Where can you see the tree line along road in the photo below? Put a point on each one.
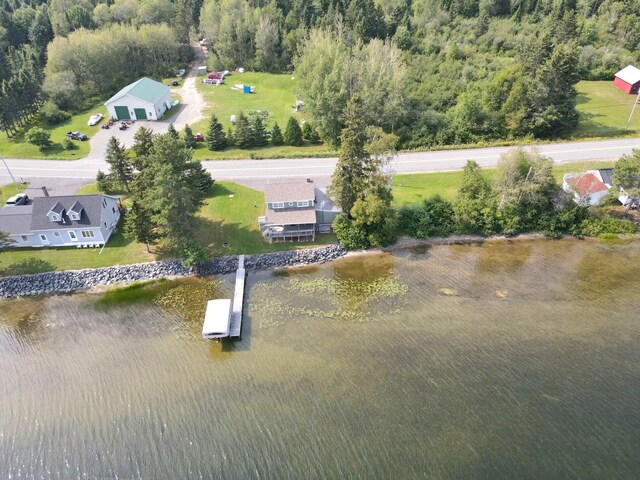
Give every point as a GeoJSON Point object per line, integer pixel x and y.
{"type": "Point", "coordinates": [407, 162]}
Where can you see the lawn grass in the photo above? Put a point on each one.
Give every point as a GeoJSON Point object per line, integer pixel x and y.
{"type": "Point", "coordinates": [274, 93]}
{"type": "Point", "coordinates": [604, 109]}
{"type": "Point", "coordinates": [17, 147]}
{"type": "Point", "coordinates": [416, 187]}
{"type": "Point", "coordinates": [10, 190]}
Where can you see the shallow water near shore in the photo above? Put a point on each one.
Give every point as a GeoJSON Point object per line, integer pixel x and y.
{"type": "Point", "coordinates": [495, 361]}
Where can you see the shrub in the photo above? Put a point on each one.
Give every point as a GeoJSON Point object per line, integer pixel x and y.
{"type": "Point", "coordinates": [349, 234]}
{"type": "Point", "coordinates": [69, 144]}
{"type": "Point", "coordinates": [39, 137]}
{"type": "Point", "coordinates": [594, 227]}
{"type": "Point", "coordinates": [193, 253]}
{"type": "Point", "coordinates": [52, 115]}
{"type": "Point", "coordinates": [433, 218]}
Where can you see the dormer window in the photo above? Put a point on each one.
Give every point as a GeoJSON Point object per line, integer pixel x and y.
{"type": "Point", "coordinates": [277, 205]}
{"type": "Point", "coordinates": [56, 213]}
{"type": "Point", "coordinates": [75, 212]}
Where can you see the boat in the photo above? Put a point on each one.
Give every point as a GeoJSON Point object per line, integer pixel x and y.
{"type": "Point", "coordinates": [217, 319]}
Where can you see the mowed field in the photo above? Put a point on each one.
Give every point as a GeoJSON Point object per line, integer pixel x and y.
{"type": "Point", "coordinates": [17, 147]}
{"type": "Point", "coordinates": [274, 93]}
{"type": "Point", "coordinates": [604, 109]}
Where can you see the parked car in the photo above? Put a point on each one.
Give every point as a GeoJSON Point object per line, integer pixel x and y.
{"type": "Point", "coordinates": [175, 83]}
{"type": "Point", "coordinates": [181, 72]}
{"type": "Point", "coordinates": [175, 103]}
{"type": "Point", "coordinates": [94, 119]}
{"type": "Point", "coordinates": [199, 137]}
{"type": "Point", "coordinates": [77, 136]}
{"type": "Point", "coordinates": [123, 126]}
{"type": "Point", "coordinates": [19, 199]}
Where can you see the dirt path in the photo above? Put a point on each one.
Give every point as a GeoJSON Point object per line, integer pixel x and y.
{"type": "Point", "coordinates": [190, 111]}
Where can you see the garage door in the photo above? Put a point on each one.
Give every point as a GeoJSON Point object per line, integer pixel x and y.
{"type": "Point", "coordinates": [141, 113]}
{"type": "Point", "coordinates": [122, 113]}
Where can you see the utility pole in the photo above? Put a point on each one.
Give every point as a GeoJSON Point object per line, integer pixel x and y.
{"type": "Point", "coordinates": [633, 109]}
{"type": "Point", "coordinates": [10, 174]}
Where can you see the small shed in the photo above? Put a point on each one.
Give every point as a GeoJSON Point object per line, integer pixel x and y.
{"type": "Point", "coordinates": [202, 70]}
{"type": "Point", "coordinates": [145, 99]}
{"type": "Point", "coordinates": [628, 79]}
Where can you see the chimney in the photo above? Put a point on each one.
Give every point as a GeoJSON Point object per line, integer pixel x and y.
{"type": "Point", "coordinates": [45, 191]}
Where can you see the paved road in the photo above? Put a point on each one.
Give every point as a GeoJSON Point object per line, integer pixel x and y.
{"type": "Point", "coordinates": [323, 167]}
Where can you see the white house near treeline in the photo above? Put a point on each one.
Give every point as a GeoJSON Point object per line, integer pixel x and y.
{"type": "Point", "coordinates": [144, 99]}
{"type": "Point", "coordinates": [61, 221]}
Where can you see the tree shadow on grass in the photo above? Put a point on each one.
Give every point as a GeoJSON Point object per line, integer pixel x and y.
{"type": "Point", "coordinates": [590, 125]}
{"type": "Point", "coordinates": [27, 266]}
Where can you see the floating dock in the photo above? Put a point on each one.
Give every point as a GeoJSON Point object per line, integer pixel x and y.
{"type": "Point", "coordinates": [238, 300]}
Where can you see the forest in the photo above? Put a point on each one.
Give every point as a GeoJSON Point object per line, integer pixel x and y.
{"type": "Point", "coordinates": [432, 72]}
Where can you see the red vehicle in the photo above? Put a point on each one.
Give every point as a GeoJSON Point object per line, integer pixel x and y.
{"type": "Point", "coordinates": [199, 137]}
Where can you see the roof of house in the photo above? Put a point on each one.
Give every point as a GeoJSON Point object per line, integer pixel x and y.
{"type": "Point", "coordinates": [144, 89]}
{"type": "Point", "coordinates": [291, 217]}
{"type": "Point", "coordinates": [57, 208]}
{"type": "Point", "coordinates": [606, 174]}
{"type": "Point", "coordinates": [629, 74]}
{"type": "Point", "coordinates": [15, 219]}
{"type": "Point", "coordinates": [90, 218]}
{"type": "Point", "coordinates": [585, 183]}
{"type": "Point", "coordinates": [76, 207]}
{"type": "Point", "coordinates": [323, 202]}
{"type": "Point", "coordinates": [289, 191]}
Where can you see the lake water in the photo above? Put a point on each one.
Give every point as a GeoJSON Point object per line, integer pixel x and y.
{"type": "Point", "coordinates": [495, 362]}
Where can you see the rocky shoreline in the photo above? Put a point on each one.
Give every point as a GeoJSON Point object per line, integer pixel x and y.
{"type": "Point", "coordinates": [74, 280]}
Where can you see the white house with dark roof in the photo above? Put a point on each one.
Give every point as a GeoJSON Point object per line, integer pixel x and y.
{"type": "Point", "coordinates": [295, 211]}
{"type": "Point", "coordinates": [61, 221]}
{"type": "Point", "coordinates": [144, 99]}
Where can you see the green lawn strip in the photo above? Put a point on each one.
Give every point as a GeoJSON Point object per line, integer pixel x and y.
{"type": "Point", "coordinates": [416, 187]}
{"type": "Point", "coordinates": [10, 190]}
{"type": "Point", "coordinates": [17, 147]}
{"type": "Point", "coordinates": [284, 151]}
{"type": "Point", "coordinates": [604, 109]}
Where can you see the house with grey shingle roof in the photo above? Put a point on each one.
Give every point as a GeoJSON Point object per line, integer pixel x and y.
{"type": "Point", "coordinates": [296, 210]}
{"type": "Point", "coordinates": [144, 99]}
{"type": "Point", "coordinates": [61, 221]}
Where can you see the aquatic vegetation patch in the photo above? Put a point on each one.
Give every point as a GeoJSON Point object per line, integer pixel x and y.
{"type": "Point", "coordinates": [348, 299]}
{"type": "Point", "coordinates": [188, 298]}
{"type": "Point", "coordinates": [449, 291]}
{"type": "Point", "coordinates": [134, 293]}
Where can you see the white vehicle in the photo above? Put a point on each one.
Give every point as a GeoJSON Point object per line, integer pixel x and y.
{"type": "Point", "coordinates": [175, 103]}
{"type": "Point", "coordinates": [94, 119]}
{"type": "Point", "coordinates": [19, 199]}
{"type": "Point", "coordinates": [181, 72]}
{"type": "Point", "coordinates": [217, 319]}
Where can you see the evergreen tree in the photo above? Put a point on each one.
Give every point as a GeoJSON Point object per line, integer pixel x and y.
{"type": "Point", "coordinates": [310, 134]}
{"type": "Point", "coordinates": [259, 131]}
{"type": "Point", "coordinates": [293, 133]}
{"type": "Point", "coordinates": [244, 132]}
{"type": "Point", "coordinates": [5, 241]}
{"type": "Point", "coordinates": [216, 139]}
{"type": "Point", "coordinates": [103, 182]}
{"type": "Point", "coordinates": [189, 139]}
{"type": "Point", "coordinates": [350, 176]}
{"type": "Point", "coordinates": [142, 142]}
{"type": "Point", "coordinates": [173, 132]}
{"type": "Point", "coordinates": [231, 137]}
{"type": "Point", "coordinates": [138, 225]}
{"type": "Point", "coordinates": [121, 168]}
{"type": "Point", "coordinates": [276, 136]}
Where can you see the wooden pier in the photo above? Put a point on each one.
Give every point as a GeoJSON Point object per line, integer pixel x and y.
{"type": "Point", "coordinates": [238, 300]}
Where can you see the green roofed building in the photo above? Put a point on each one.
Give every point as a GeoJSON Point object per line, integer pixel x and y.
{"type": "Point", "coordinates": [144, 99]}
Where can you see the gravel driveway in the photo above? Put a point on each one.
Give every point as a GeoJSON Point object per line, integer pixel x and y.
{"type": "Point", "coordinates": [190, 111]}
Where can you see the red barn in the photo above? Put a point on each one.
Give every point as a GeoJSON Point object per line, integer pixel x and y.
{"type": "Point", "coordinates": [628, 79]}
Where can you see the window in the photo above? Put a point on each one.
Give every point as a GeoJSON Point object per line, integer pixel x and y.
{"type": "Point", "coordinates": [104, 203]}
{"type": "Point", "coordinates": [105, 224]}
{"type": "Point", "coordinates": [56, 234]}
{"type": "Point", "coordinates": [54, 217]}
{"type": "Point", "coordinates": [275, 205]}
{"type": "Point", "coordinates": [43, 237]}
{"type": "Point", "coordinates": [87, 234]}
{"type": "Point", "coordinates": [113, 209]}
{"type": "Point", "coordinates": [24, 238]}
{"type": "Point", "coordinates": [303, 203]}
{"type": "Point", "coordinates": [72, 236]}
